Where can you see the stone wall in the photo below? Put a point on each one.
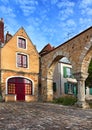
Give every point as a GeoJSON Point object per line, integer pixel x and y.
{"type": "Point", "coordinates": [78, 50]}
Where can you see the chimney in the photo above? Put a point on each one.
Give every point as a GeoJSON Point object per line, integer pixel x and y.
{"type": "Point", "coordinates": [8, 36]}
{"type": "Point", "coordinates": [1, 30]}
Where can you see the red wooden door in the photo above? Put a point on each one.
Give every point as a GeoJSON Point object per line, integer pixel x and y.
{"type": "Point", "coordinates": [20, 91]}
{"type": "Point", "coordinates": [20, 86]}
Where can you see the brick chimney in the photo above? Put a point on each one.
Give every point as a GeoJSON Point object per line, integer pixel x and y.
{"type": "Point", "coordinates": [8, 36]}
{"type": "Point", "coordinates": [1, 30]}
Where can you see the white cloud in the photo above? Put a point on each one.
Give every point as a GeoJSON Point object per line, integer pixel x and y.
{"type": "Point", "coordinates": [65, 3]}
{"type": "Point", "coordinates": [86, 7]}
{"type": "Point", "coordinates": [7, 11]}
{"type": "Point", "coordinates": [85, 22]}
{"type": "Point", "coordinates": [5, 1]}
{"type": "Point", "coordinates": [65, 9]}
{"type": "Point", "coordinates": [85, 3]}
{"type": "Point", "coordinates": [38, 38]}
{"type": "Point", "coordinates": [27, 7]}
{"type": "Point", "coordinates": [68, 28]}
{"type": "Point", "coordinates": [36, 35]}
{"type": "Point", "coordinates": [65, 13]}
{"type": "Point", "coordinates": [87, 11]}
{"type": "Point", "coordinates": [9, 17]}
{"type": "Point", "coordinates": [70, 23]}
{"type": "Point", "coordinates": [47, 20]}
{"type": "Point", "coordinates": [54, 1]}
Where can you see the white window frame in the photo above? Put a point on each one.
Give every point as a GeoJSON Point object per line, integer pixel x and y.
{"type": "Point", "coordinates": [18, 44]}
{"type": "Point", "coordinates": [27, 60]}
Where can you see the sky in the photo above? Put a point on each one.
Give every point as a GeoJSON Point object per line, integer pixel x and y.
{"type": "Point", "coordinates": [47, 21]}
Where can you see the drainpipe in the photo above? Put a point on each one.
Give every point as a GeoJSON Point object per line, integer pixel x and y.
{"type": "Point", "coordinates": [39, 84]}
{"type": "Point", "coordinates": [1, 45]}
{"type": "Point", "coordinates": [0, 74]}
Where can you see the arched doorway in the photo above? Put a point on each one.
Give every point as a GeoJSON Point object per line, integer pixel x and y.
{"type": "Point", "coordinates": [88, 83]}
{"type": "Point", "coordinates": [19, 86]}
{"type": "Point", "coordinates": [69, 80]}
{"type": "Point", "coordinates": [64, 82]}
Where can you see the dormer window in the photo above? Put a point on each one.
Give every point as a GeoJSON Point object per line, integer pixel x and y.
{"type": "Point", "coordinates": [22, 43]}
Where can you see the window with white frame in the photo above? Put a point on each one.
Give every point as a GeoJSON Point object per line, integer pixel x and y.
{"type": "Point", "coordinates": [21, 43]}
{"type": "Point", "coordinates": [22, 60]}
{"type": "Point", "coordinates": [67, 72]}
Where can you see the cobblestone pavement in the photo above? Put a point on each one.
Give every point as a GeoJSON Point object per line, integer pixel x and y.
{"type": "Point", "coordinates": [43, 116]}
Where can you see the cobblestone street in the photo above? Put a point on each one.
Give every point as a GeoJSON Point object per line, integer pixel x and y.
{"type": "Point", "coordinates": [43, 116]}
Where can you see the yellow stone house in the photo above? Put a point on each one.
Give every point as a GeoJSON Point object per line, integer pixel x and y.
{"type": "Point", "coordinates": [19, 67]}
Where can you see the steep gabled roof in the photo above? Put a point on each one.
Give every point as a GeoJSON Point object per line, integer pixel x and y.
{"type": "Point", "coordinates": [23, 30]}
{"type": "Point", "coordinates": [46, 49]}
{"type": "Point", "coordinates": [31, 42]}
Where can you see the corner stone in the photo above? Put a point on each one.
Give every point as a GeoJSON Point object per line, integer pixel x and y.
{"type": "Point", "coordinates": [82, 104]}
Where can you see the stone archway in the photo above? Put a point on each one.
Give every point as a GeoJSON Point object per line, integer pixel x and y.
{"type": "Point", "coordinates": [82, 76]}
{"type": "Point", "coordinates": [50, 73]}
{"type": "Point", "coordinates": [78, 51]}
{"type": "Point", "coordinates": [47, 75]}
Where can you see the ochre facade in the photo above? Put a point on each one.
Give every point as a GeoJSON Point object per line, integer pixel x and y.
{"type": "Point", "coordinates": [10, 69]}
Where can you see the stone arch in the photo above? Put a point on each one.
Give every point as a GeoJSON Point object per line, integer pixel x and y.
{"type": "Point", "coordinates": [86, 61]}
{"type": "Point", "coordinates": [50, 71]}
{"type": "Point", "coordinates": [86, 56]}
{"type": "Point", "coordinates": [78, 50]}
{"type": "Point", "coordinates": [82, 73]}
{"type": "Point", "coordinates": [58, 55]}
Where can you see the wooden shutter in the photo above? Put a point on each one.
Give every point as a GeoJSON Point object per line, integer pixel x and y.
{"type": "Point", "coordinates": [54, 87]}
{"type": "Point", "coordinates": [75, 90]}
{"type": "Point", "coordinates": [66, 88]}
{"type": "Point", "coordinates": [64, 72]}
{"type": "Point", "coordinates": [90, 91]}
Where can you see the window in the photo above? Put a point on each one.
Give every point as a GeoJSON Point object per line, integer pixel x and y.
{"type": "Point", "coordinates": [28, 89]}
{"type": "Point", "coordinates": [67, 72]}
{"type": "Point", "coordinates": [22, 60]}
{"type": "Point", "coordinates": [11, 88]}
{"type": "Point", "coordinates": [22, 43]}
{"type": "Point", "coordinates": [70, 88]}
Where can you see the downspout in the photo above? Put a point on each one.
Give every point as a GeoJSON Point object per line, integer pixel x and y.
{"type": "Point", "coordinates": [1, 45]}
{"type": "Point", "coordinates": [39, 84]}
{"type": "Point", "coordinates": [60, 81]}
{"type": "Point", "coordinates": [0, 75]}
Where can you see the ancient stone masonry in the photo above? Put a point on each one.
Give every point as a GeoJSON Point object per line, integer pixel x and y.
{"type": "Point", "coordinates": [81, 77]}
{"type": "Point", "coordinates": [79, 52]}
